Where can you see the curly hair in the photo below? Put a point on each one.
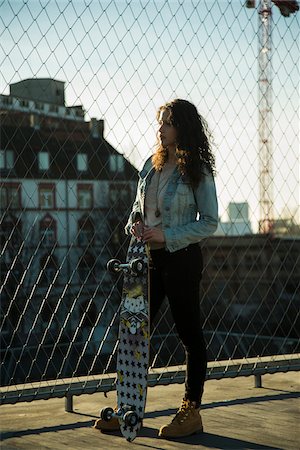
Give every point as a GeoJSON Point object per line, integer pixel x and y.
{"type": "Point", "coordinates": [194, 141]}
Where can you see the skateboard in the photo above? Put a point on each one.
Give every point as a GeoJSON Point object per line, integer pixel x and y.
{"type": "Point", "coordinates": [134, 335]}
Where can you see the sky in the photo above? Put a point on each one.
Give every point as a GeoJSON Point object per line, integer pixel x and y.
{"type": "Point", "coordinates": [122, 59]}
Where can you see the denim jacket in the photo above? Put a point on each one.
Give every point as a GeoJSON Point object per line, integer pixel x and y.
{"type": "Point", "coordinates": [189, 215]}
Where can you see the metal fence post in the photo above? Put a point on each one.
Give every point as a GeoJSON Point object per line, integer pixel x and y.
{"type": "Point", "coordinates": [258, 381]}
{"type": "Point", "coordinates": [69, 403]}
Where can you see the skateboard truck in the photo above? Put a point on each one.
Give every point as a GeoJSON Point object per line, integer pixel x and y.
{"type": "Point", "coordinates": [135, 266]}
{"type": "Point", "coordinates": [129, 417]}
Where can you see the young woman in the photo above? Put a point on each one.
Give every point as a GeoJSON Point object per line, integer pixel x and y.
{"type": "Point", "coordinates": [175, 207]}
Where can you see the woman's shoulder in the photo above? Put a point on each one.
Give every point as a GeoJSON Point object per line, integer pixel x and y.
{"type": "Point", "coordinates": [147, 166]}
{"type": "Point", "coordinates": [207, 172]}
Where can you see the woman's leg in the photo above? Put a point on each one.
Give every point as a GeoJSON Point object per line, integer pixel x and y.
{"type": "Point", "coordinates": [157, 288]}
{"type": "Point", "coordinates": [182, 277]}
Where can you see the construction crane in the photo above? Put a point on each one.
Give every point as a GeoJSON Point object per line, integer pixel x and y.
{"type": "Point", "coordinates": [266, 200]}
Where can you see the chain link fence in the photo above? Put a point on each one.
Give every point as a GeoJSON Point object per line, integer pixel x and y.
{"type": "Point", "coordinates": [80, 85]}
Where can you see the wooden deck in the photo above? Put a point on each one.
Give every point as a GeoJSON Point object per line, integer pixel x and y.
{"type": "Point", "coordinates": [236, 415]}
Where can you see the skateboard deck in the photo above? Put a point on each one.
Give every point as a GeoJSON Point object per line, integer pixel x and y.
{"type": "Point", "coordinates": [134, 335]}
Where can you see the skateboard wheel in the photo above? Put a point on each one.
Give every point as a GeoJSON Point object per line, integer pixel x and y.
{"type": "Point", "coordinates": [106, 414]}
{"type": "Point", "coordinates": [113, 265]}
{"type": "Point", "coordinates": [137, 266]}
{"type": "Point", "coordinates": [131, 418]}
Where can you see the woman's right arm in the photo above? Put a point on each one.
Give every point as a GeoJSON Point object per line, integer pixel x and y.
{"type": "Point", "coordinates": [134, 216]}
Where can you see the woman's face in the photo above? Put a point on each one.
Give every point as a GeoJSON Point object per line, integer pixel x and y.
{"type": "Point", "coordinates": [167, 133]}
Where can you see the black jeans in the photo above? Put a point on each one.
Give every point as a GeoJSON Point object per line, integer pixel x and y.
{"type": "Point", "coordinates": [177, 275]}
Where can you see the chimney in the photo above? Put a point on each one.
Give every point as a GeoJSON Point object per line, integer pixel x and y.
{"type": "Point", "coordinates": [96, 127]}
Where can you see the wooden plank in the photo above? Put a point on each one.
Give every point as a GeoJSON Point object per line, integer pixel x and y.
{"type": "Point", "coordinates": [235, 415]}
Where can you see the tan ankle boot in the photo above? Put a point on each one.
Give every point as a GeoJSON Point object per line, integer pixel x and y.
{"type": "Point", "coordinates": [187, 421]}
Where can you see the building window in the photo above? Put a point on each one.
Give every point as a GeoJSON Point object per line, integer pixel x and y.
{"type": "Point", "coordinates": [86, 231]}
{"type": "Point", "coordinates": [3, 199]}
{"type": "Point", "coordinates": [79, 112]}
{"type": "Point", "coordinates": [116, 163]}
{"type": "Point", "coordinates": [48, 314]}
{"type": "Point", "coordinates": [82, 162]}
{"type": "Point", "coordinates": [88, 312]}
{"type": "Point", "coordinates": [24, 103]}
{"type": "Point", "coordinates": [47, 231]}
{"type": "Point", "coordinates": [6, 159]}
{"type": "Point", "coordinates": [39, 105]}
{"type": "Point", "coordinates": [48, 269]}
{"type": "Point", "coordinates": [47, 196]}
{"type": "Point", "coordinates": [85, 196]}
{"type": "Point", "coordinates": [10, 232]}
{"type": "Point", "coordinates": [44, 160]}
{"type": "Point", "coordinates": [86, 268]}
{"type": "Point", "coordinates": [6, 100]}
{"type": "Point", "coordinates": [10, 196]}
{"type": "Point", "coordinates": [53, 108]}
{"type": "Point", "coordinates": [119, 195]}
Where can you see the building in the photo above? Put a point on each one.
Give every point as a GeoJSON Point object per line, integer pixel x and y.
{"type": "Point", "coordinates": [250, 289]}
{"type": "Point", "coordinates": [65, 196]}
{"type": "Point", "coordinates": [250, 300]}
{"type": "Point", "coordinates": [42, 91]}
{"type": "Point", "coordinates": [238, 223]}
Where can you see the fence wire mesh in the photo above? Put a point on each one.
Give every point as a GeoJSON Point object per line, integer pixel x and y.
{"type": "Point", "coordinates": [80, 85]}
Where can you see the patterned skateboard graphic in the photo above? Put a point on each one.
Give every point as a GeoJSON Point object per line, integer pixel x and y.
{"type": "Point", "coordinates": [133, 350]}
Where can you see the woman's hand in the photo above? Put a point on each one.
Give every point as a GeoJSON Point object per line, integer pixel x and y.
{"type": "Point", "coordinates": [137, 229]}
{"type": "Point", "coordinates": [152, 234]}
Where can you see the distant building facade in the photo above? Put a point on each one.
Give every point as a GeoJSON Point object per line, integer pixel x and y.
{"type": "Point", "coordinates": [238, 223]}
{"type": "Point", "coordinates": [250, 287]}
{"type": "Point", "coordinates": [65, 196]}
{"type": "Point", "coordinates": [258, 275]}
{"type": "Point", "coordinates": [40, 90]}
